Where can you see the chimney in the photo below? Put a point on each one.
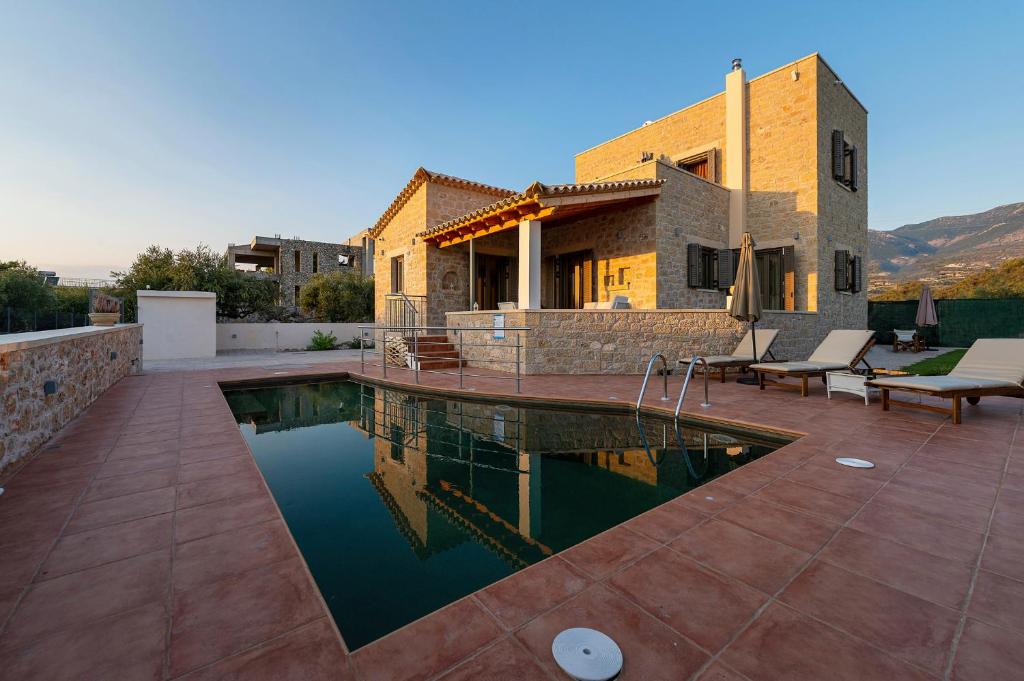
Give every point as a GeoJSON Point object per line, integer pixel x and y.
{"type": "Point", "coordinates": [736, 150]}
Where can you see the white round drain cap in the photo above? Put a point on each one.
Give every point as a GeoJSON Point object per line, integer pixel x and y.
{"type": "Point", "coordinates": [587, 654]}
{"type": "Point", "coordinates": [854, 463]}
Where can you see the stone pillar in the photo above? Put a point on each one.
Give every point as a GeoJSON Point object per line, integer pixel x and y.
{"type": "Point", "coordinates": [736, 151]}
{"type": "Point", "coordinates": [529, 265]}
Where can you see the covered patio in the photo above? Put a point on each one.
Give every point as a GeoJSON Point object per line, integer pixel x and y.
{"type": "Point", "coordinates": [542, 248]}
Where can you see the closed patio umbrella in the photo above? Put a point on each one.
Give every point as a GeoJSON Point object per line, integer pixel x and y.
{"type": "Point", "coordinates": [746, 296]}
{"type": "Point", "coordinates": [926, 315]}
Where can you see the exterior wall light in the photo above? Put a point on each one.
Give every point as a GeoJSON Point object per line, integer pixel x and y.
{"type": "Point", "coordinates": [113, 355]}
{"type": "Point", "coordinates": [50, 387]}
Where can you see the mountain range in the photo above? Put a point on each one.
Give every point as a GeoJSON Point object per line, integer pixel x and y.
{"type": "Point", "coordinates": [946, 249]}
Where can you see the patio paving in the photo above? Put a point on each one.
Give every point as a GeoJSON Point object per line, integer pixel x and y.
{"type": "Point", "coordinates": [142, 543]}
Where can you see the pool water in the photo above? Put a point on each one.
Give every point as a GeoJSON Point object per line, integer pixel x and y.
{"type": "Point", "coordinates": [402, 503]}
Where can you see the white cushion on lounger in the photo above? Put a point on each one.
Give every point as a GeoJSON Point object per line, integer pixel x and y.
{"type": "Point", "coordinates": [799, 367]}
{"type": "Point", "coordinates": [841, 347]}
{"type": "Point", "coordinates": [745, 350]}
{"type": "Point", "coordinates": [938, 383]}
{"type": "Point", "coordinates": [994, 359]}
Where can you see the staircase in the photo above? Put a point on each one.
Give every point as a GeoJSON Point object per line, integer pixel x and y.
{"type": "Point", "coordinates": [434, 352]}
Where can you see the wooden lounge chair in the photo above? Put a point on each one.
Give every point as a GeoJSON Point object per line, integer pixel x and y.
{"type": "Point", "coordinates": [841, 350]}
{"type": "Point", "coordinates": [743, 356]}
{"type": "Point", "coordinates": [993, 366]}
{"type": "Point", "coordinates": [905, 340]}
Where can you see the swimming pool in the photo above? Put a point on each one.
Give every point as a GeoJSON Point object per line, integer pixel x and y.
{"type": "Point", "coordinates": [402, 503]}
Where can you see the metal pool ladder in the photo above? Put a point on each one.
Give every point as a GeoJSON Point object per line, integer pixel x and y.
{"type": "Point", "coordinates": [647, 377]}
{"type": "Point", "coordinates": [686, 384]}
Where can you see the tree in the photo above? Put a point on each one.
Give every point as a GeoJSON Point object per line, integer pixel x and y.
{"type": "Point", "coordinates": [23, 287]}
{"type": "Point", "coordinates": [338, 297]}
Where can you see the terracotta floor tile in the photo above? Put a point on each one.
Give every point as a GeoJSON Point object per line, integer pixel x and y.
{"type": "Point", "coordinates": [19, 563]}
{"type": "Point", "coordinates": [704, 606]}
{"type": "Point", "coordinates": [225, 617]}
{"type": "Point", "coordinates": [649, 648]}
{"type": "Point", "coordinates": [202, 470]}
{"type": "Point", "coordinates": [783, 644]}
{"type": "Point", "coordinates": [507, 660]}
{"type": "Point", "coordinates": [940, 506]}
{"type": "Point", "coordinates": [744, 481]}
{"type": "Point", "coordinates": [608, 552]}
{"type": "Point", "coordinates": [956, 470]}
{"type": "Point", "coordinates": [429, 645]}
{"type": "Point", "coordinates": [117, 486]}
{"type": "Point", "coordinates": [31, 501]}
{"type": "Point", "coordinates": [919, 531]}
{"type": "Point", "coordinates": [88, 549]}
{"type": "Point", "coordinates": [310, 653]}
{"type": "Point", "coordinates": [221, 516]}
{"type": "Point", "coordinates": [1005, 521]}
{"type": "Point", "coordinates": [907, 627]}
{"type": "Point", "coordinates": [810, 500]}
{"type": "Point", "coordinates": [719, 672]}
{"type": "Point", "coordinates": [121, 509]}
{"type": "Point", "coordinates": [842, 480]}
{"type": "Point", "coordinates": [126, 647]}
{"type": "Point", "coordinates": [149, 449]}
{"type": "Point", "coordinates": [666, 522]}
{"type": "Point", "coordinates": [65, 457]}
{"type": "Point", "coordinates": [792, 528]}
{"type": "Point", "coordinates": [138, 464]}
{"type": "Point", "coordinates": [221, 555]}
{"type": "Point", "coordinates": [987, 653]}
{"type": "Point", "coordinates": [29, 528]}
{"type": "Point", "coordinates": [81, 597]}
{"type": "Point", "coordinates": [48, 477]}
{"type": "Point", "coordinates": [998, 600]}
{"type": "Point", "coordinates": [197, 454]}
{"type": "Point", "coordinates": [950, 486]}
{"type": "Point", "coordinates": [1004, 554]}
{"type": "Point", "coordinates": [965, 453]}
{"type": "Point", "coordinates": [916, 572]}
{"type": "Point", "coordinates": [214, 489]}
{"type": "Point", "coordinates": [761, 563]}
{"type": "Point", "coordinates": [711, 498]}
{"type": "Point", "coordinates": [517, 599]}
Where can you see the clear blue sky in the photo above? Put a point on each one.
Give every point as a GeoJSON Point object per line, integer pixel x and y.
{"type": "Point", "coordinates": [129, 123]}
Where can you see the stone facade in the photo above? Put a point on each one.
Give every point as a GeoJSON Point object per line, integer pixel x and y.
{"type": "Point", "coordinates": [80, 361]}
{"type": "Point", "coordinates": [622, 341]}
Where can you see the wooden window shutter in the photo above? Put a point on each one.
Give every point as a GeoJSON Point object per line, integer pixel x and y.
{"type": "Point", "coordinates": [726, 270]}
{"type": "Point", "coordinates": [712, 165]}
{"type": "Point", "coordinates": [693, 277]}
{"type": "Point", "coordinates": [837, 155]}
{"type": "Point", "coordinates": [588, 280]}
{"type": "Point", "coordinates": [853, 168]}
{"type": "Point", "coordinates": [789, 277]}
{"type": "Point", "coordinates": [858, 274]}
{"type": "Point", "coordinates": [842, 270]}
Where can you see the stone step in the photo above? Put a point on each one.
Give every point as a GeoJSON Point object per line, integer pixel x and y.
{"type": "Point", "coordinates": [426, 339]}
{"type": "Point", "coordinates": [432, 364]}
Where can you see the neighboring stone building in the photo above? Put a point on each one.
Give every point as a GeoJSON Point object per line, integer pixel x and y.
{"type": "Point", "coordinates": [291, 262]}
{"type": "Point", "coordinates": [656, 217]}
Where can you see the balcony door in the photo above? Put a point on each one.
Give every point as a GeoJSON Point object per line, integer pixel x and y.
{"type": "Point", "coordinates": [573, 280]}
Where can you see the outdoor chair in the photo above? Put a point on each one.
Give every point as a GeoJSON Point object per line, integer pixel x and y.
{"type": "Point", "coordinates": [906, 340]}
{"type": "Point", "coordinates": [616, 303]}
{"type": "Point", "coordinates": [992, 366]}
{"type": "Point", "coordinates": [743, 356]}
{"type": "Point", "coordinates": [842, 350]}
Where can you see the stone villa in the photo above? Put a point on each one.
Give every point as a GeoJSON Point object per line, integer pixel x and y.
{"type": "Point", "coordinates": [655, 217]}
{"type": "Point", "coordinates": [291, 262]}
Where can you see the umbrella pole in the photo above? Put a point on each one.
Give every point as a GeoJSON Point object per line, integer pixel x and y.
{"type": "Point", "coordinates": [750, 378]}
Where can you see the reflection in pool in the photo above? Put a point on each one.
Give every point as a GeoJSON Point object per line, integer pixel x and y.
{"type": "Point", "coordinates": [402, 503]}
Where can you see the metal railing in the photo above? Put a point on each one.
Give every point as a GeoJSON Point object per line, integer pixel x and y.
{"type": "Point", "coordinates": [21, 320]}
{"type": "Point", "coordinates": [647, 377]}
{"type": "Point", "coordinates": [401, 309]}
{"type": "Point", "coordinates": [686, 384]}
{"type": "Point", "coordinates": [419, 348]}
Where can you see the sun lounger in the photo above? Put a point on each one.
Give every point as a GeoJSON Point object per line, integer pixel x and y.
{"type": "Point", "coordinates": [993, 366]}
{"type": "Point", "coordinates": [905, 340]}
{"type": "Point", "coordinates": [743, 355]}
{"type": "Point", "coordinates": [841, 350]}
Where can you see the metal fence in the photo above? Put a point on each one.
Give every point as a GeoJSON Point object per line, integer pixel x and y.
{"type": "Point", "coordinates": [401, 309]}
{"type": "Point", "coordinates": [435, 349]}
{"type": "Point", "coordinates": [21, 320]}
{"type": "Point", "coordinates": [961, 321]}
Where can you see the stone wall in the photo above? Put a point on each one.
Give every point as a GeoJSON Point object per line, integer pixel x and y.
{"type": "Point", "coordinates": [326, 257]}
{"type": "Point", "coordinates": [623, 341]}
{"type": "Point", "coordinates": [81, 362]}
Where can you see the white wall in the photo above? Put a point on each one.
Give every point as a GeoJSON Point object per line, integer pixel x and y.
{"type": "Point", "coordinates": [278, 336]}
{"type": "Point", "coordinates": [178, 324]}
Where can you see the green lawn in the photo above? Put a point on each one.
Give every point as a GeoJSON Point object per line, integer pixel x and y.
{"type": "Point", "coordinates": [936, 366]}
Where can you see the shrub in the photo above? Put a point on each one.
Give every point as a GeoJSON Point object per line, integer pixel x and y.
{"type": "Point", "coordinates": [338, 297]}
{"type": "Point", "coordinates": [323, 341]}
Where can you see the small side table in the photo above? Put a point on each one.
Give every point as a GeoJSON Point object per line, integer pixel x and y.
{"type": "Point", "coordinates": [848, 382]}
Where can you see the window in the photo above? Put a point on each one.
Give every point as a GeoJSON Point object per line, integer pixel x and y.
{"type": "Point", "coordinates": [708, 267]}
{"type": "Point", "coordinates": [844, 161]}
{"type": "Point", "coordinates": [702, 165]}
{"type": "Point", "coordinates": [398, 274]}
{"type": "Point", "coordinates": [298, 292]}
{"type": "Point", "coordinates": [849, 272]}
{"type": "Point", "coordinates": [316, 262]}
{"type": "Point", "coordinates": [344, 260]}
{"type": "Point", "coordinates": [776, 272]}
{"type": "Point", "coordinates": [298, 261]}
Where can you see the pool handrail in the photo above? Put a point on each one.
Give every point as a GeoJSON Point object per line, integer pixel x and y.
{"type": "Point", "coordinates": [686, 384]}
{"type": "Point", "coordinates": [647, 377]}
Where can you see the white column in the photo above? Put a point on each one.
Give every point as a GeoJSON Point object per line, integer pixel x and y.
{"type": "Point", "coordinates": [529, 265]}
{"type": "Point", "coordinates": [472, 274]}
{"type": "Point", "coordinates": [736, 152]}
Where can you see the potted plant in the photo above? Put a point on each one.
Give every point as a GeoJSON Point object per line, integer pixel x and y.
{"type": "Point", "coordinates": [106, 310]}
